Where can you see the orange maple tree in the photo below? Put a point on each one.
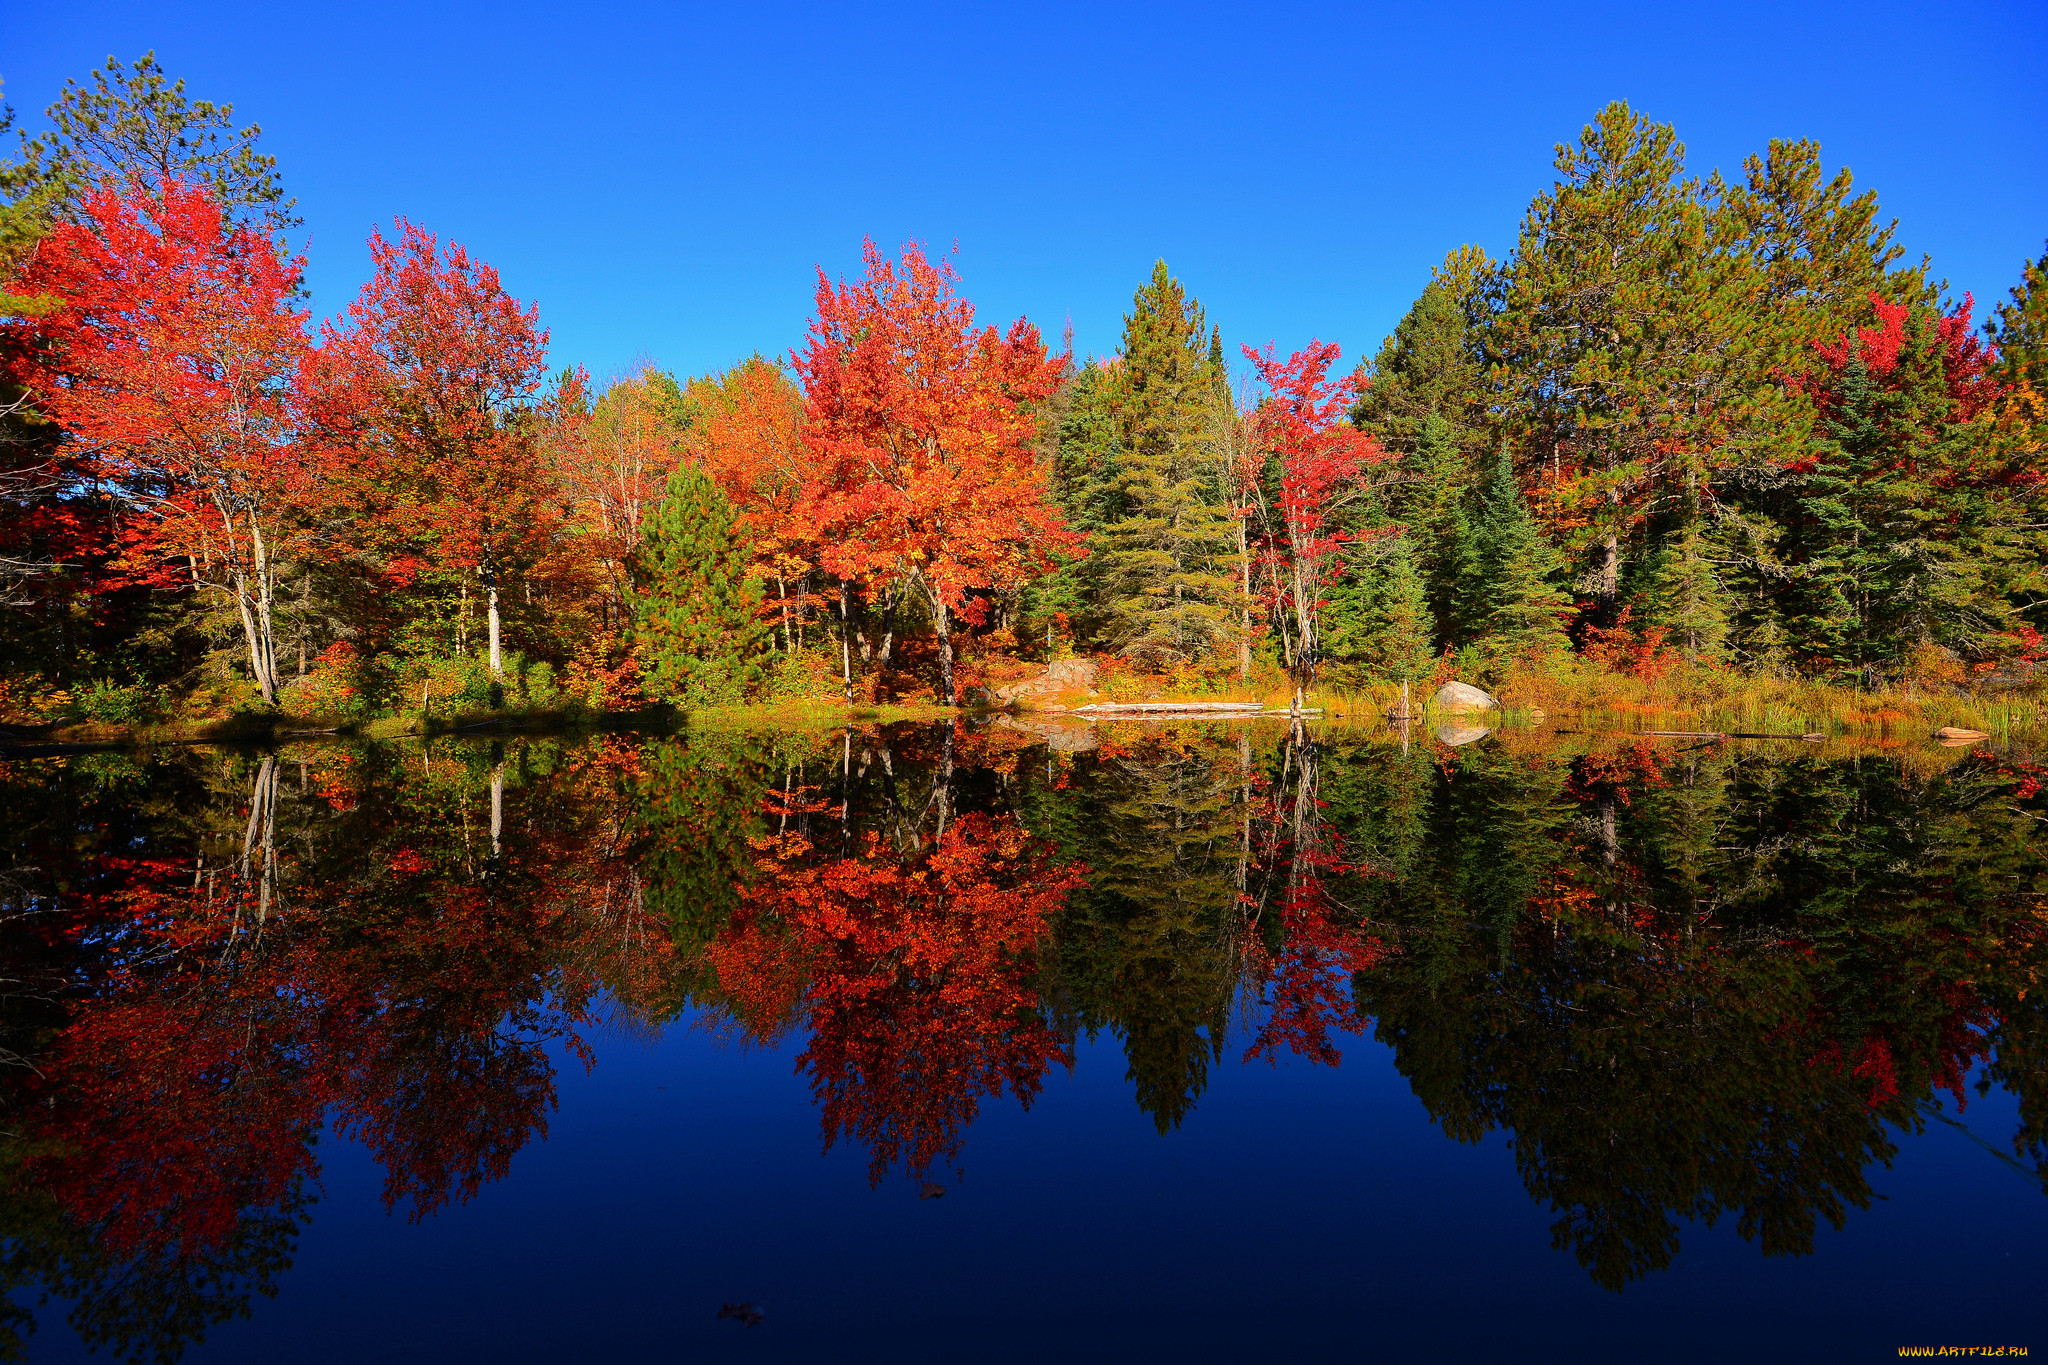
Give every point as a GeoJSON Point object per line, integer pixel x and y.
{"type": "Point", "coordinates": [749, 435]}
{"type": "Point", "coordinates": [922, 429]}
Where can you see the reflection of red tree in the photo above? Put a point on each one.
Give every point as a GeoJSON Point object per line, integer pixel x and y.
{"type": "Point", "coordinates": [174, 1116]}
{"type": "Point", "coordinates": [1304, 982]}
{"type": "Point", "coordinates": [913, 980]}
{"type": "Point", "coordinates": [1307, 982]}
{"type": "Point", "coordinates": [403, 985]}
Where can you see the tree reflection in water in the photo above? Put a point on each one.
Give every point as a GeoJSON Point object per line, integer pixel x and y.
{"type": "Point", "coordinates": [1690, 985]}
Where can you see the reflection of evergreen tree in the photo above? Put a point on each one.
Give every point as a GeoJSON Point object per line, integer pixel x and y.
{"type": "Point", "coordinates": [698, 802]}
{"type": "Point", "coordinates": [1727, 978]}
{"type": "Point", "coordinates": [1147, 949]}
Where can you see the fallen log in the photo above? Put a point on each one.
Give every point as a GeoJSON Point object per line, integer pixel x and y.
{"type": "Point", "coordinates": [1141, 707]}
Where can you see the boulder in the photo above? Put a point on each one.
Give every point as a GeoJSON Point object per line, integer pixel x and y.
{"type": "Point", "coordinates": [1067, 678]}
{"type": "Point", "coordinates": [1953, 735]}
{"type": "Point", "coordinates": [1457, 696]}
{"type": "Point", "coordinates": [1080, 673]}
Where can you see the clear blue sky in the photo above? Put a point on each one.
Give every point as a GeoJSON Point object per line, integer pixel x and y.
{"type": "Point", "coordinates": [664, 179]}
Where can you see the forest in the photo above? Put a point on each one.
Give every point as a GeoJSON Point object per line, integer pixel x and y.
{"type": "Point", "coordinates": [1694, 428]}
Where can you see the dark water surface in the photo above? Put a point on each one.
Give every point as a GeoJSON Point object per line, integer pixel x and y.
{"type": "Point", "coordinates": [933, 1043]}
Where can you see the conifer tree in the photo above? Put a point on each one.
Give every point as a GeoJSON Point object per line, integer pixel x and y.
{"type": "Point", "coordinates": [1165, 572]}
{"type": "Point", "coordinates": [697, 612]}
{"type": "Point", "coordinates": [2020, 329]}
{"type": "Point", "coordinates": [1685, 593]}
{"type": "Point", "coordinates": [1427, 368]}
{"type": "Point", "coordinates": [1398, 644]}
{"type": "Point", "coordinates": [1431, 502]}
{"type": "Point", "coordinates": [1519, 568]}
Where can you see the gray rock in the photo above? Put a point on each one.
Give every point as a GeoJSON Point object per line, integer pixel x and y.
{"type": "Point", "coordinates": [1457, 696]}
{"type": "Point", "coordinates": [1060, 676]}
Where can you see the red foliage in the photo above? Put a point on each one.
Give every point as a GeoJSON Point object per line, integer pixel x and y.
{"type": "Point", "coordinates": [921, 429]}
{"type": "Point", "coordinates": [170, 362]}
{"type": "Point", "coordinates": [420, 391]}
{"type": "Point", "coordinates": [1637, 650]}
{"type": "Point", "coordinates": [912, 978]}
{"type": "Point", "coordinates": [1304, 425]}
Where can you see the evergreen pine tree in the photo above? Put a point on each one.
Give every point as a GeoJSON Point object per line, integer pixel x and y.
{"type": "Point", "coordinates": [2020, 329]}
{"type": "Point", "coordinates": [1398, 646]}
{"type": "Point", "coordinates": [1685, 594]}
{"type": "Point", "coordinates": [1163, 563]}
{"type": "Point", "coordinates": [1519, 568]}
{"type": "Point", "coordinates": [697, 622]}
{"type": "Point", "coordinates": [1426, 369]}
{"type": "Point", "coordinates": [1431, 503]}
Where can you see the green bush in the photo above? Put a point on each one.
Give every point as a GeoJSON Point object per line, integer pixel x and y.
{"type": "Point", "coordinates": [110, 704]}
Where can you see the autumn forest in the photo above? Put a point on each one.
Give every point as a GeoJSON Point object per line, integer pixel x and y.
{"type": "Point", "coordinates": [1693, 429]}
{"type": "Point", "coordinates": [439, 781]}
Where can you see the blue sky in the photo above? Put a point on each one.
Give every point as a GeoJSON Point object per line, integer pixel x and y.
{"type": "Point", "coordinates": [665, 180]}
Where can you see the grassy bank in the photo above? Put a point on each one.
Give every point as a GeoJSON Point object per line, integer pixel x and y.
{"type": "Point", "coordinates": [1569, 694]}
{"type": "Point", "coordinates": [258, 727]}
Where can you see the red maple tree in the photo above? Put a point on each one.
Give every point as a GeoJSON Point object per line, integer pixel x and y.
{"type": "Point", "coordinates": [171, 359]}
{"type": "Point", "coordinates": [922, 428]}
{"type": "Point", "coordinates": [1303, 425]}
{"type": "Point", "coordinates": [423, 389]}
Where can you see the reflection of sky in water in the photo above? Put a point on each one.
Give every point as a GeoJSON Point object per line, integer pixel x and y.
{"type": "Point", "coordinates": [1296, 1209]}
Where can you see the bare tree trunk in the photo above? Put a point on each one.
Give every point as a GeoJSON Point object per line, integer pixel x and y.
{"type": "Point", "coordinates": [888, 645]}
{"type": "Point", "coordinates": [1244, 638]}
{"type": "Point", "coordinates": [249, 636]}
{"type": "Point", "coordinates": [1609, 588]}
{"type": "Point", "coordinates": [497, 664]}
{"type": "Point", "coordinates": [942, 623]}
{"type": "Point", "coordinates": [845, 629]}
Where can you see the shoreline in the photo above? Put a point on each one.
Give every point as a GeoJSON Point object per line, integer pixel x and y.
{"type": "Point", "coordinates": [1886, 724]}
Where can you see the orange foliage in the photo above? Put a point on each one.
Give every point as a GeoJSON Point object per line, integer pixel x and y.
{"type": "Point", "coordinates": [911, 977]}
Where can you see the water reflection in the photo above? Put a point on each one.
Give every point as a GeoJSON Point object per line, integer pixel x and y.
{"type": "Point", "coordinates": [1690, 984]}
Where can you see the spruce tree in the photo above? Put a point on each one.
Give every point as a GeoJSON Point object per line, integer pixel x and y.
{"type": "Point", "coordinates": [1163, 563]}
{"type": "Point", "coordinates": [2020, 329]}
{"type": "Point", "coordinates": [1427, 369]}
{"type": "Point", "coordinates": [1431, 503]}
{"type": "Point", "coordinates": [1519, 569]}
{"type": "Point", "coordinates": [1398, 646]}
{"type": "Point", "coordinates": [1685, 594]}
{"type": "Point", "coordinates": [697, 622]}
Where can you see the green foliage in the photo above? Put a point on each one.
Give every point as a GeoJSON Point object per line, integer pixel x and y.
{"type": "Point", "coordinates": [1427, 370]}
{"type": "Point", "coordinates": [2020, 328]}
{"type": "Point", "coordinates": [696, 610]}
{"type": "Point", "coordinates": [111, 704]}
{"type": "Point", "coordinates": [1685, 593]}
{"type": "Point", "coordinates": [1518, 569]}
{"type": "Point", "coordinates": [130, 124]}
{"type": "Point", "coordinates": [1378, 619]}
{"type": "Point", "coordinates": [1163, 565]}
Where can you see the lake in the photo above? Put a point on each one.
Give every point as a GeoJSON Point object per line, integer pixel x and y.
{"type": "Point", "coordinates": [1013, 1040]}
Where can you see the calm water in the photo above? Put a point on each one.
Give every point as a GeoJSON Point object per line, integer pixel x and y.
{"type": "Point", "coordinates": [1187, 1042]}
